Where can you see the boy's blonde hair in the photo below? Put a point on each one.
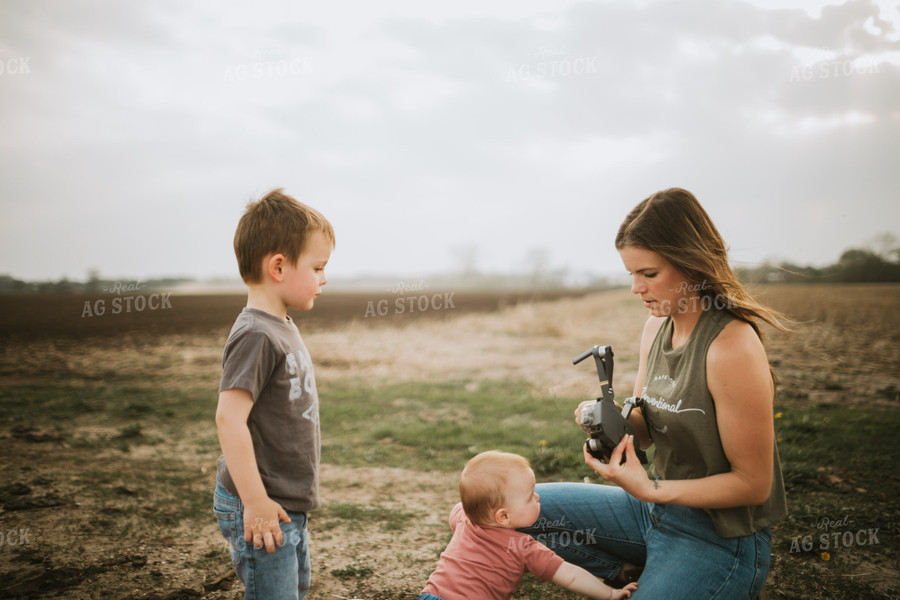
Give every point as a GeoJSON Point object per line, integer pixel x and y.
{"type": "Point", "coordinates": [276, 223]}
{"type": "Point", "coordinates": [483, 483]}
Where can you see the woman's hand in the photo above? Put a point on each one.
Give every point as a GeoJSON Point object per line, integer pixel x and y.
{"type": "Point", "coordinates": [630, 475]}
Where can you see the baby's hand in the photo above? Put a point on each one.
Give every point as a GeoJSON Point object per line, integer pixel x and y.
{"type": "Point", "coordinates": [625, 592]}
{"type": "Point", "coordinates": [261, 524]}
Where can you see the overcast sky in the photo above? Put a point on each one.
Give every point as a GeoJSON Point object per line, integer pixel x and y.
{"type": "Point", "coordinates": [132, 134]}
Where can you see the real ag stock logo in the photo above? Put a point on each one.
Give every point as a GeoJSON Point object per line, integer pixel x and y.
{"type": "Point", "coordinates": [828, 63]}
{"type": "Point", "coordinates": [834, 534]}
{"type": "Point", "coordinates": [127, 303]}
{"type": "Point", "coordinates": [15, 66]}
{"type": "Point", "coordinates": [552, 62]}
{"type": "Point", "coordinates": [419, 302]}
{"type": "Point", "coordinates": [269, 62]}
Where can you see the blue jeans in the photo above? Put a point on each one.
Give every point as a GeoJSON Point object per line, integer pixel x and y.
{"type": "Point", "coordinates": [429, 597]}
{"type": "Point", "coordinates": [283, 575]}
{"type": "Point", "coordinates": [601, 527]}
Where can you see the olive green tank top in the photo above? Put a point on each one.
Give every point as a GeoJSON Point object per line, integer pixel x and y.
{"type": "Point", "coordinates": [681, 416]}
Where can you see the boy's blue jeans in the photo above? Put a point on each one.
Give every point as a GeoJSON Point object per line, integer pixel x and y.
{"type": "Point", "coordinates": [601, 527]}
{"type": "Point", "coordinates": [283, 575]}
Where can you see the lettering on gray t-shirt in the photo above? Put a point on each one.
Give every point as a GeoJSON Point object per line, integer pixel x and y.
{"type": "Point", "coordinates": [266, 356]}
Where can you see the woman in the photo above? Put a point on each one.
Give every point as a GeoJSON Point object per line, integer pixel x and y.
{"type": "Point", "coordinates": [702, 524]}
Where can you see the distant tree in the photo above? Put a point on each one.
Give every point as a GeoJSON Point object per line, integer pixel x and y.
{"type": "Point", "coordinates": [785, 272]}
{"type": "Point", "coordinates": [879, 264]}
{"type": "Point", "coordinates": [466, 257]}
{"type": "Point", "coordinates": [886, 245]}
{"type": "Point", "coordinates": [537, 261]}
{"type": "Point", "coordinates": [10, 285]}
{"type": "Point", "coordinates": [93, 281]}
{"type": "Point", "coordinates": [63, 286]}
{"type": "Point", "coordinates": [857, 266]}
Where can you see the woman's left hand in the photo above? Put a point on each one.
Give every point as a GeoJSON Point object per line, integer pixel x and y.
{"type": "Point", "coordinates": [630, 475]}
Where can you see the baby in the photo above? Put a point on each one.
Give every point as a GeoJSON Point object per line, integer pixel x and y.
{"type": "Point", "coordinates": [487, 557]}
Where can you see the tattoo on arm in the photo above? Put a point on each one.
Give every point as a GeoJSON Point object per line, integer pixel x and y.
{"type": "Point", "coordinates": [656, 484]}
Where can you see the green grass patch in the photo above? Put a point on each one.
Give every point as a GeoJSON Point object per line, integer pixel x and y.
{"type": "Point", "coordinates": [388, 518]}
{"type": "Point", "coordinates": [353, 572]}
{"type": "Point", "coordinates": [439, 426]}
{"type": "Point", "coordinates": [849, 445]}
{"type": "Point", "coordinates": [104, 403]}
{"type": "Point", "coordinates": [532, 588]}
{"type": "Point", "coordinates": [838, 465]}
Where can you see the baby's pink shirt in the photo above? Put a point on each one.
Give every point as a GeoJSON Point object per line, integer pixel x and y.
{"type": "Point", "coordinates": [487, 563]}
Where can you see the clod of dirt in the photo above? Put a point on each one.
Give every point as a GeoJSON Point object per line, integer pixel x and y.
{"type": "Point", "coordinates": [222, 581]}
{"type": "Point", "coordinates": [47, 501]}
{"type": "Point", "coordinates": [182, 594]}
{"type": "Point", "coordinates": [18, 489]}
{"type": "Point", "coordinates": [33, 434]}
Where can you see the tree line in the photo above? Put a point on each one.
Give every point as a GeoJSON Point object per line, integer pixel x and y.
{"type": "Point", "coordinates": [880, 263]}
{"type": "Point", "coordinates": [856, 265]}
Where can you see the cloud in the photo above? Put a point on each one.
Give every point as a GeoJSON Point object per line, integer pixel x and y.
{"type": "Point", "coordinates": [419, 128]}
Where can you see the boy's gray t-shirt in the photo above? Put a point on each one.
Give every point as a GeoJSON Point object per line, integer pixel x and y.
{"type": "Point", "coordinates": [266, 356]}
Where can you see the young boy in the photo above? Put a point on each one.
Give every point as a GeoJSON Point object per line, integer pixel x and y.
{"type": "Point", "coordinates": [487, 557]}
{"type": "Point", "coordinates": [268, 412]}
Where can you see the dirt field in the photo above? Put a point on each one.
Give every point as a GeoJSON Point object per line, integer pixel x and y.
{"type": "Point", "coordinates": [98, 522]}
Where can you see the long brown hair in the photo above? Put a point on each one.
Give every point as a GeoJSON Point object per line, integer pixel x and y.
{"type": "Point", "coordinates": [674, 225]}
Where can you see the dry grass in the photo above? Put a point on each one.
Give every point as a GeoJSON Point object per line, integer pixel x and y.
{"type": "Point", "coordinates": [847, 339]}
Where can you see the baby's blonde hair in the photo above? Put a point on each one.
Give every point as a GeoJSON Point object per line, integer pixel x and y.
{"type": "Point", "coordinates": [483, 483]}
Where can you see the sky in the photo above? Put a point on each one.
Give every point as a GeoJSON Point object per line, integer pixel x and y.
{"type": "Point", "coordinates": [497, 136]}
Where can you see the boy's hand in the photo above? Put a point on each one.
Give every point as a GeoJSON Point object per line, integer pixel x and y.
{"type": "Point", "coordinates": [625, 592]}
{"type": "Point", "coordinates": [261, 526]}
